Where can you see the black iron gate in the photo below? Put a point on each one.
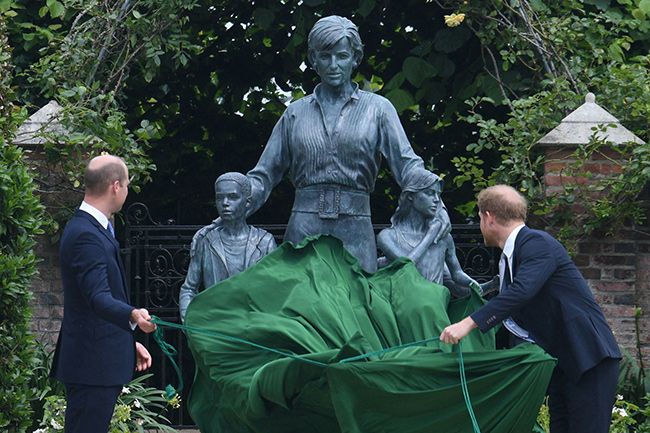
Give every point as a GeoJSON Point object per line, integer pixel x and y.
{"type": "Point", "coordinates": [156, 257]}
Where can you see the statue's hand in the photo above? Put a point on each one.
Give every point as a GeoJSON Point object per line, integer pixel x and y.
{"type": "Point", "coordinates": [490, 286]}
{"type": "Point", "coordinates": [475, 286]}
{"type": "Point", "coordinates": [444, 230]}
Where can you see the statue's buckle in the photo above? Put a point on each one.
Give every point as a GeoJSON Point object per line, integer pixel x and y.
{"type": "Point", "coordinates": [329, 203]}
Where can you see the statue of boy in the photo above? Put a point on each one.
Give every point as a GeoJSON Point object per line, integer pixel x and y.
{"type": "Point", "coordinates": [412, 233]}
{"type": "Point", "coordinates": [227, 247]}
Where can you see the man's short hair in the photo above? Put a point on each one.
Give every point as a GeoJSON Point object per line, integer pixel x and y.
{"type": "Point", "coordinates": [97, 180]}
{"type": "Point", "coordinates": [328, 31]}
{"type": "Point", "coordinates": [241, 180]}
{"type": "Point", "coordinates": [504, 202]}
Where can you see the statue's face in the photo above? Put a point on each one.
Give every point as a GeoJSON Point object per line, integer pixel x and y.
{"type": "Point", "coordinates": [231, 202]}
{"type": "Point", "coordinates": [426, 201]}
{"type": "Point", "coordinates": [334, 66]}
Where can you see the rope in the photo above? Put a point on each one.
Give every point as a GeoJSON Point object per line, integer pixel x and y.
{"type": "Point", "coordinates": [463, 385]}
{"type": "Point", "coordinates": [171, 352]}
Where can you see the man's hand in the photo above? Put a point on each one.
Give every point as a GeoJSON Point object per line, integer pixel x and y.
{"type": "Point", "coordinates": [143, 358]}
{"type": "Point", "coordinates": [452, 334]}
{"type": "Point", "coordinates": [142, 318]}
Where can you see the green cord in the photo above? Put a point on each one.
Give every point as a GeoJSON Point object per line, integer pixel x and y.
{"type": "Point", "coordinates": [463, 385]}
{"type": "Point", "coordinates": [170, 351]}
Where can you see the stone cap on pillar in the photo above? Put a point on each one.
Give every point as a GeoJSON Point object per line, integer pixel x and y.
{"type": "Point", "coordinates": [45, 120]}
{"type": "Point", "coordinates": [578, 127]}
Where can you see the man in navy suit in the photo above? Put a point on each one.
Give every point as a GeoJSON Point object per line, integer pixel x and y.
{"type": "Point", "coordinates": [545, 300]}
{"type": "Point", "coordinates": [96, 353]}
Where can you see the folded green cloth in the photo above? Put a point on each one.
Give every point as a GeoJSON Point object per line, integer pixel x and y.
{"type": "Point", "coordinates": [314, 300]}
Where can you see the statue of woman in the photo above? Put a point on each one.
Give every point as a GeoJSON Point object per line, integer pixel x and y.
{"type": "Point", "coordinates": [414, 227]}
{"type": "Point", "coordinates": [331, 143]}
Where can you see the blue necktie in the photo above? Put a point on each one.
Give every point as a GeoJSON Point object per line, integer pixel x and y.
{"type": "Point", "coordinates": [111, 229]}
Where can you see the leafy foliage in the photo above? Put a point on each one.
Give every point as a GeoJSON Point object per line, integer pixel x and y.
{"type": "Point", "coordinates": [86, 51]}
{"type": "Point", "coordinates": [20, 220]}
{"type": "Point", "coordinates": [138, 409]}
{"type": "Point", "coordinates": [601, 48]}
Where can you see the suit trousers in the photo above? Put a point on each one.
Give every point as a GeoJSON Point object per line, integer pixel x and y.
{"type": "Point", "coordinates": [584, 406]}
{"type": "Point", "coordinates": [89, 408]}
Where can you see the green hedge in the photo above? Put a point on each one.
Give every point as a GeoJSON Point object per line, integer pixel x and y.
{"type": "Point", "coordinates": [21, 219]}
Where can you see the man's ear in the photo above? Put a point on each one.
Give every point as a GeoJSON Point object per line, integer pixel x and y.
{"type": "Point", "coordinates": [249, 202]}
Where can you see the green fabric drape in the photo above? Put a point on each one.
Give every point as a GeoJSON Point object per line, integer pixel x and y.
{"type": "Point", "coordinates": [315, 301]}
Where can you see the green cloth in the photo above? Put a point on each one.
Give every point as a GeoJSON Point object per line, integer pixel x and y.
{"type": "Point", "coordinates": [314, 300]}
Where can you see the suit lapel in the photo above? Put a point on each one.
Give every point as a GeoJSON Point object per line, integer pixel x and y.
{"type": "Point", "coordinates": [523, 233]}
{"type": "Point", "coordinates": [116, 247]}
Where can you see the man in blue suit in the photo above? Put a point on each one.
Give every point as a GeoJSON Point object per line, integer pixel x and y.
{"type": "Point", "coordinates": [96, 353]}
{"type": "Point", "coordinates": [545, 300]}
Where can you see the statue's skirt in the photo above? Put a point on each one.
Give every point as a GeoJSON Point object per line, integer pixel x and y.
{"type": "Point", "coordinates": [313, 300]}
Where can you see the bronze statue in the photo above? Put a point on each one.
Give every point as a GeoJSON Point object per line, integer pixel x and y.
{"type": "Point", "coordinates": [331, 143]}
{"type": "Point", "coordinates": [228, 245]}
{"type": "Point", "coordinates": [413, 231]}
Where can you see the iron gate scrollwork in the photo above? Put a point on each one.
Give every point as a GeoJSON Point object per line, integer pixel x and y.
{"type": "Point", "coordinates": [156, 259]}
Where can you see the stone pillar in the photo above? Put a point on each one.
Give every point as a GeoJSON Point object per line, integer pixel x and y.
{"type": "Point", "coordinates": [55, 193]}
{"type": "Point", "coordinates": [617, 267]}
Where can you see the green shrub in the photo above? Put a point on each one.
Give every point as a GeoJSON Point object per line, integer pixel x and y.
{"type": "Point", "coordinates": [20, 220]}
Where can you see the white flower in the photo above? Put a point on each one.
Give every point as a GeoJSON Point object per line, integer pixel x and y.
{"type": "Point", "coordinates": [40, 430]}
{"type": "Point", "coordinates": [55, 425]}
{"type": "Point", "coordinates": [620, 411]}
{"type": "Point", "coordinates": [139, 421]}
{"type": "Point", "coordinates": [619, 397]}
{"type": "Point", "coordinates": [125, 390]}
{"type": "Point", "coordinates": [136, 403]}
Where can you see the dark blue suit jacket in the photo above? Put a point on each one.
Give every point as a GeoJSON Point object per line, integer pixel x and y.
{"type": "Point", "coordinates": [552, 301]}
{"type": "Point", "coordinates": [96, 344]}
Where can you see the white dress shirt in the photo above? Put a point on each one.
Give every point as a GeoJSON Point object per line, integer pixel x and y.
{"type": "Point", "coordinates": [508, 250]}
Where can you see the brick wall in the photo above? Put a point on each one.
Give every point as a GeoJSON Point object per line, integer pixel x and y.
{"type": "Point", "coordinates": [58, 196]}
{"type": "Point", "coordinates": [616, 266]}
{"type": "Point", "coordinates": [47, 303]}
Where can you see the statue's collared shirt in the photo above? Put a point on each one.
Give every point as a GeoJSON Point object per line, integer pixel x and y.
{"type": "Point", "coordinates": [349, 155]}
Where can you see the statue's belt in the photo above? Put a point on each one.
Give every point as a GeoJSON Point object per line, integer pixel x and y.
{"type": "Point", "coordinates": [331, 201]}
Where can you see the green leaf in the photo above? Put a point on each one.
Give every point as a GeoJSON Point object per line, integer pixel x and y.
{"type": "Point", "coordinates": [615, 52]}
{"type": "Point", "coordinates": [5, 5]}
{"type": "Point", "coordinates": [401, 99]}
{"type": "Point", "coordinates": [603, 5]}
{"type": "Point", "coordinates": [645, 7]}
{"type": "Point", "coordinates": [443, 64]}
{"type": "Point", "coordinates": [450, 40]}
{"type": "Point", "coordinates": [365, 7]}
{"type": "Point", "coordinates": [56, 8]}
{"type": "Point", "coordinates": [136, 14]}
{"type": "Point", "coordinates": [417, 70]}
{"type": "Point", "coordinates": [263, 18]}
{"type": "Point", "coordinates": [638, 14]}
{"type": "Point", "coordinates": [395, 82]}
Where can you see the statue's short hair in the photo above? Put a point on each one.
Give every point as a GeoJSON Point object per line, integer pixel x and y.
{"type": "Point", "coordinates": [239, 179]}
{"type": "Point", "coordinates": [328, 31]}
{"type": "Point", "coordinates": [97, 180]}
{"type": "Point", "coordinates": [504, 202]}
